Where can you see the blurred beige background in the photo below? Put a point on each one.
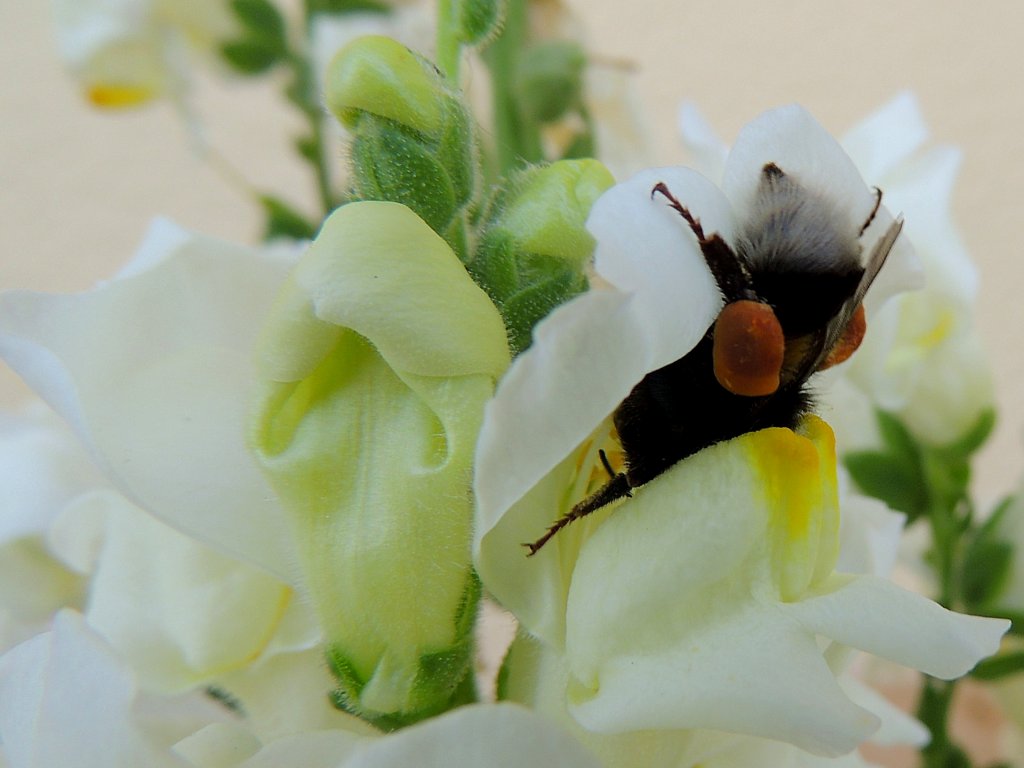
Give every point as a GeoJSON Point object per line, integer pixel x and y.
{"type": "Point", "coordinates": [78, 187]}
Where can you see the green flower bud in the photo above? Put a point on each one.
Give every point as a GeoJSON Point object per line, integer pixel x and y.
{"type": "Point", "coordinates": [375, 75]}
{"type": "Point", "coordinates": [377, 360]}
{"type": "Point", "coordinates": [478, 20]}
{"type": "Point", "coordinates": [535, 246]}
{"type": "Point", "coordinates": [549, 79]}
{"type": "Point", "coordinates": [412, 140]}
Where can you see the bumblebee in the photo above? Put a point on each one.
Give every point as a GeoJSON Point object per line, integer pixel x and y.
{"type": "Point", "coordinates": [793, 285]}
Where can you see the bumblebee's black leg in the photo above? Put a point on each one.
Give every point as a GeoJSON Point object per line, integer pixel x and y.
{"type": "Point", "coordinates": [731, 274]}
{"type": "Point", "coordinates": [874, 211]}
{"type": "Point", "coordinates": [617, 488]}
{"type": "Point", "coordinates": [604, 462]}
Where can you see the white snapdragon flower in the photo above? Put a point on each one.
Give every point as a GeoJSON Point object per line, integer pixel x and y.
{"type": "Point", "coordinates": [42, 470]}
{"type": "Point", "coordinates": [711, 598]}
{"type": "Point", "coordinates": [126, 52]}
{"type": "Point", "coordinates": [67, 699]}
{"type": "Point", "coordinates": [150, 370]}
{"type": "Point", "coordinates": [181, 613]}
{"type": "Point", "coordinates": [537, 676]}
{"type": "Point", "coordinates": [922, 358]}
{"type": "Point", "coordinates": [362, 411]}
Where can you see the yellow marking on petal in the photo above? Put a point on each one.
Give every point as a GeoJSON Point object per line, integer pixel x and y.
{"type": "Point", "coordinates": [119, 96]}
{"type": "Point", "coordinates": [918, 346]}
{"type": "Point", "coordinates": [824, 439]}
{"type": "Point", "coordinates": [938, 332]}
{"type": "Point", "coordinates": [797, 476]}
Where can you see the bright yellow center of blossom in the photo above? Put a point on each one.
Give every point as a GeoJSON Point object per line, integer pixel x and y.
{"type": "Point", "coordinates": [797, 471]}
{"type": "Point", "coordinates": [108, 96]}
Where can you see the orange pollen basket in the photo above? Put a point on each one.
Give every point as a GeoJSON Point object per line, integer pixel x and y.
{"type": "Point", "coordinates": [749, 348]}
{"type": "Point", "coordinates": [849, 341]}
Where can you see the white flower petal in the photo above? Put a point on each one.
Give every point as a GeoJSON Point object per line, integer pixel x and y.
{"type": "Point", "coordinates": [219, 745]}
{"type": "Point", "coordinates": [42, 467]}
{"type": "Point", "coordinates": [86, 26]}
{"type": "Point", "coordinates": [664, 630]}
{"type": "Point", "coordinates": [153, 372]}
{"type": "Point", "coordinates": [621, 124]}
{"type": "Point", "coordinates": [797, 143]}
{"type": "Point", "coordinates": [162, 238]}
{"type": "Point", "coordinates": [76, 535]}
{"type": "Point", "coordinates": [724, 679]}
{"type": "Point", "coordinates": [869, 536]}
{"type": "Point", "coordinates": [876, 616]}
{"type": "Point", "coordinates": [287, 694]}
{"type": "Point", "coordinates": [800, 146]}
{"type": "Point", "coordinates": [496, 735]}
{"type": "Point", "coordinates": [319, 749]}
{"type": "Point", "coordinates": [644, 246]}
{"type": "Point", "coordinates": [887, 137]}
{"type": "Point", "coordinates": [897, 726]}
{"type": "Point", "coordinates": [707, 150]}
{"type": "Point", "coordinates": [181, 613]}
{"type": "Point", "coordinates": [589, 354]}
{"type": "Point", "coordinates": [66, 700]}
{"type": "Point", "coordinates": [521, 441]}
{"type": "Point", "coordinates": [922, 188]}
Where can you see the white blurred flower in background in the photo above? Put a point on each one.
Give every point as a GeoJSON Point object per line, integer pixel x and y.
{"type": "Point", "coordinates": [127, 52]}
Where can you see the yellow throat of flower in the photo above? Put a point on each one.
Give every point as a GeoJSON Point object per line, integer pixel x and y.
{"type": "Point", "coordinates": [798, 478]}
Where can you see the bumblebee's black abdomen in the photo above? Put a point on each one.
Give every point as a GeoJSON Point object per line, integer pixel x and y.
{"type": "Point", "coordinates": [680, 409]}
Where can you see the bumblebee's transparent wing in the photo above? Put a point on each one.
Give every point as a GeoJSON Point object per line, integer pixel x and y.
{"type": "Point", "coordinates": [822, 346]}
{"type": "Point", "coordinates": [878, 256]}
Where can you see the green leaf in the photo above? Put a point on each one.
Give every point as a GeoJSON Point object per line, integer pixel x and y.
{"type": "Point", "coordinates": [251, 56]}
{"type": "Point", "coordinates": [549, 79]}
{"type": "Point", "coordinates": [307, 148]}
{"type": "Point", "coordinates": [999, 667]}
{"type": "Point", "coordinates": [895, 480]}
{"type": "Point", "coordinates": [583, 145]}
{"type": "Point", "coordinates": [986, 567]}
{"type": "Point", "coordinates": [284, 221]}
{"type": "Point", "coordinates": [946, 477]}
{"type": "Point", "coordinates": [975, 437]}
{"type": "Point", "coordinates": [896, 437]}
{"type": "Point", "coordinates": [263, 20]}
{"type": "Point", "coordinates": [1016, 619]}
{"type": "Point", "coordinates": [338, 7]}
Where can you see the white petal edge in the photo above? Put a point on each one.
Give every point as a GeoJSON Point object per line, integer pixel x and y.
{"type": "Point", "coordinates": [877, 616]}
{"type": "Point", "coordinates": [153, 372]}
{"type": "Point", "coordinates": [887, 137]}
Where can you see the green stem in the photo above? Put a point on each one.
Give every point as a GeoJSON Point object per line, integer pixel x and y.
{"type": "Point", "coordinates": [449, 47]}
{"type": "Point", "coordinates": [933, 711]}
{"type": "Point", "coordinates": [303, 94]}
{"type": "Point", "coordinates": [517, 137]}
{"type": "Point", "coordinates": [945, 516]}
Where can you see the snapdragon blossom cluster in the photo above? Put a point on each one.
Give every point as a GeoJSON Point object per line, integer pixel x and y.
{"type": "Point", "coordinates": [272, 485]}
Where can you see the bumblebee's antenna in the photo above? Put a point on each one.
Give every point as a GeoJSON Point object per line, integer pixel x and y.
{"type": "Point", "coordinates": [871, 216]}
{"type": "Point", "coordinates": [731, 274]}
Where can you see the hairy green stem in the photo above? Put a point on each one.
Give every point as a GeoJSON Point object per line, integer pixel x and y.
{"type": "Point", "coordinates": [517, 137]}
{"type": "Point", "coordinates": [449, 47]}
